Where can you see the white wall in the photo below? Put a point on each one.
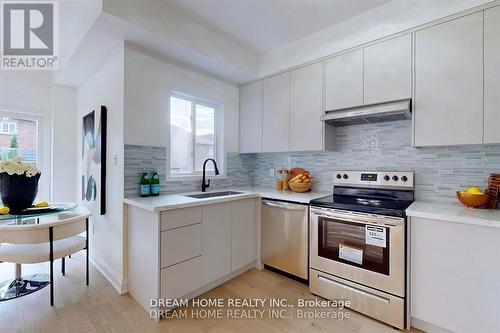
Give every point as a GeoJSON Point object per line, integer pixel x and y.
{"type": "Point", "coordinates": [183, 38]}
{"type": "Point", "coordinates": [390, 18]}
{"type": "Point", "coordinates": [75, 19]}
{"type": "Point", "coordinates": [63, 144]}
{"type": "Point", "coordinates": [148, 83]}
{"type": "Point", "coordinates": [105, 87]}
{"type": "Point", "coordinates": [30, 93]}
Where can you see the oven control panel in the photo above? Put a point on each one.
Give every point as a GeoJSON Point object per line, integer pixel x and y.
{"type": "Point", "coordinates": [374, 178]}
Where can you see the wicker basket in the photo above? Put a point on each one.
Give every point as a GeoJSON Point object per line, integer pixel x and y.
{"type": "Point", "coordinates": [300, 187]}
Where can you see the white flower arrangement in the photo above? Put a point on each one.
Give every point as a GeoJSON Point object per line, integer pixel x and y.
{"type": "Point", "coordinates": [16, 166]}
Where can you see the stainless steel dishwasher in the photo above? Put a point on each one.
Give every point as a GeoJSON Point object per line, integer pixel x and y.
{"type": "Point", "coordinates": [285, 237]}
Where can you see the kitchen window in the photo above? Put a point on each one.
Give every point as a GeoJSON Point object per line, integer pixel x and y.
{"type": "Point", "coordinates": [8, 127]}
{"type": "Point", "coordinates": [194, 136]}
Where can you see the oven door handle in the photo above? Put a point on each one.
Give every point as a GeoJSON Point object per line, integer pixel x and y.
{"type": "Point", "coordinates": [353, 289]}
{"type": "Point", "coordinates": [283, 205]}
{"type": "Point", "coordinates": [360, 218]}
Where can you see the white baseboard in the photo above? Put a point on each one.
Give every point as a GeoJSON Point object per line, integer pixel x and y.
{"type": "Point", "coordinates": [427, 327]}
{"type": "Point", "coordinates": [119, 283]}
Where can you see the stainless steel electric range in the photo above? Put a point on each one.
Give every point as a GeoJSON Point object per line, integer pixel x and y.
{"type": "Point", "coordinates": [358, 244]}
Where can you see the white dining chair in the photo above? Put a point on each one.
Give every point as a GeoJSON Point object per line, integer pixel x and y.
{"type": "Point", "coordinates": [47, 241]}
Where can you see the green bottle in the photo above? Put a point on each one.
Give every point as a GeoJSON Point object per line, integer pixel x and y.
{"type": "Point", "coordinates": [155, 184]}
{"type": "Point", "coordinates": [145, 189]}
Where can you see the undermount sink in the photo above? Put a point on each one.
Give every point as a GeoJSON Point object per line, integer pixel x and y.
{"type": "Point", "coordinates": [213, 194]}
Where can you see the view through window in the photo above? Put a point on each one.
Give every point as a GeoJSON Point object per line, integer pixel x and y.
{"type": "Point", "coordinates": [19, 137]}
{"type": "Point", "coordinates": [192, 135]}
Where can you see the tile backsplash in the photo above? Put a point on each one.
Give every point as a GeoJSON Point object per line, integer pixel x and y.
{"type": "Point", "coordinates": [138, 158]}
{"type": "Point", "coordinates": [439, 172]}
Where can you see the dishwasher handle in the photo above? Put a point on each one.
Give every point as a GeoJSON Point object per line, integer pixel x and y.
{"type": "Point", "coordinates": [284, 205]}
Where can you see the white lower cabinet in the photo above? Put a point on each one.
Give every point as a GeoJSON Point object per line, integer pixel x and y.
{"type": "Point", "coordinates": [243, 233]}
{"type": "Point", "coordinates": [216, 241]}
{"type": "Point", "coordinates": [181, 279]}
{"type": "Point", "coordinates": [454, 276]}
{"type": "Point", "coordinates": [229, 238]}
{"type": "Point", "coordinates": [185, 252]}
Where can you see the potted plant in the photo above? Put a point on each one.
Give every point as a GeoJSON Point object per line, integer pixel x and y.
{"type": "Point", "coordinates": [18, 183]}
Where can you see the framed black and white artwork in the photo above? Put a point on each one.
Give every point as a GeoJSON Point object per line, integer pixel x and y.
{"type": "Point", "coordinates": [94, 160]}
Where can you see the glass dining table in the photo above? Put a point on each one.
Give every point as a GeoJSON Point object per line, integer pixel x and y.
{"type": "Point", "coordinates": [23, 285]}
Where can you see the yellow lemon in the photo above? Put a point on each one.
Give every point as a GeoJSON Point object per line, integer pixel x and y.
{"type": "Point", "coordinates": [42, 204]}
{"type": "Point", "coordinates": [4, 210]}
{"type": "Point", "coordinates": [474, 190]}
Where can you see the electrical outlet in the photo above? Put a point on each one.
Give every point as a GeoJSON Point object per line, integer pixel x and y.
{"type": "Point", "coordinates": [271, 172]}
{"type": "Point", "coordinates": [115, 158]}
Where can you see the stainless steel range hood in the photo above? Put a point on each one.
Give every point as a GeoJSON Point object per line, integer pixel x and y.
{"type": "Point", "coordinates": [367, 114]}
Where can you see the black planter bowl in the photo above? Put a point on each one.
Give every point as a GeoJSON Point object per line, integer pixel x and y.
{"type": "Point", "coordinates": [18, 192]}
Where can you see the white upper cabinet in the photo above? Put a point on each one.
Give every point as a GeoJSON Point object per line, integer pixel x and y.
{"type": "Point", "coordinates": [344, 80]}
{"type": "Point", "coordinates": [251, 118]}
{"type": "Point", "coordinates": [449, 83]}
{"type": "Point", "coordinates": [306, 108]}
{"type": "Point", "coordinates": [492, 75]}
{"type": "Point", "coordinates": [387, 70]}
{"type": "Point", "coordinates": [276, 113]}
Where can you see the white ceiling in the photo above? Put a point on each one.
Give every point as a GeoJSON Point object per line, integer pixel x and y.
{"type": "Point", "coordinates": [264, 25]}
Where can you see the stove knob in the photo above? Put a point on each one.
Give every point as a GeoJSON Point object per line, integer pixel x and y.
{"type": "Point", "coordinates": [395, 178]}
{"type": "Point", "coordinates": [346, 176]}
{"type": "Point", "coordinates": [387, 178]}
{"type": "Point", "coordinates": [338, 176]}
{"type": "Point", "coordinates": [404, 178]}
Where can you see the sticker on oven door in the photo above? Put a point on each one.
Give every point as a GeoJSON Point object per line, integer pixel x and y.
{"type": "Point", "coordinates": [375, 235]}
{"type": "Point", "coordinates": [350, 253]}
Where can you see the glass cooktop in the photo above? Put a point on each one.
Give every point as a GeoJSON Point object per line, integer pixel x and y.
{"type": "Point", "coordinates": [382, 202]}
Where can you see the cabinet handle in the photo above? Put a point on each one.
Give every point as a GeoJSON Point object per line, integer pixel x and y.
{"type": "Point", "coordinates": [282, 205]}
{"type": "Point", "coordinates": [356, 290]}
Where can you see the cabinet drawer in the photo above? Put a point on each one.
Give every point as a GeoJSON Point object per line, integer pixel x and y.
{"type": "Point", "coordinates": [181, 279]}
{"type": "Point", "coordinates": [180, 244]}
{"type": "Point", "coordinates": [180, 218]}
{"type": "Point", "coordinates": [376, 304]}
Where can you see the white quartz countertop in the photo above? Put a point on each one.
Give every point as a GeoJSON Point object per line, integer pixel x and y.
{"type": "Point", "coordinates": [271, 193]}
{"type": "Point", "coordinates": [169, 201]}
{"type": "Point", "coordinates": [455, 212]}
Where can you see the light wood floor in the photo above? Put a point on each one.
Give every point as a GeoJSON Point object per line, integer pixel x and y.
{"type": "Point", "coordinates": [99, 308]}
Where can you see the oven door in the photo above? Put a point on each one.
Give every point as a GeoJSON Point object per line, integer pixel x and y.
{"type": "Point", "coordinates": [363, 248]}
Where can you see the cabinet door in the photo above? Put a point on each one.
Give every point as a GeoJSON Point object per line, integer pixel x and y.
{"type": "Point", "coordinates": [449, 83]}
{"type": "Point", "coordinates": [344, 80]}
{"type": "Point", "coordinates": [492, 75]}
{"type": "Point", "coordinates": [276, 113]}
{"type": "Point", "coordinates": [306, 108]}
{"type": "Point", "coordinates": [251, 118]}
{"type": "Point", "coordinates": [244, 231]}
{"type": "Point", "coordinates": [387, 70]}
{"type": "Point", "coordinates": [216, 241]}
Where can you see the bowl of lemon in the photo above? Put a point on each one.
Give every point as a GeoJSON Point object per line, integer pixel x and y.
{"type": "Point", "coordinates": [473, 197]}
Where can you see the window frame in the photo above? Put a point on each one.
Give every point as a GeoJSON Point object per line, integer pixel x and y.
{"type": "Point", "coordinates": [43, 138]}
{"type": "Point", "coordinates": [219, 155]}
{"type": "Point", "coordinates": [9, 124]}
